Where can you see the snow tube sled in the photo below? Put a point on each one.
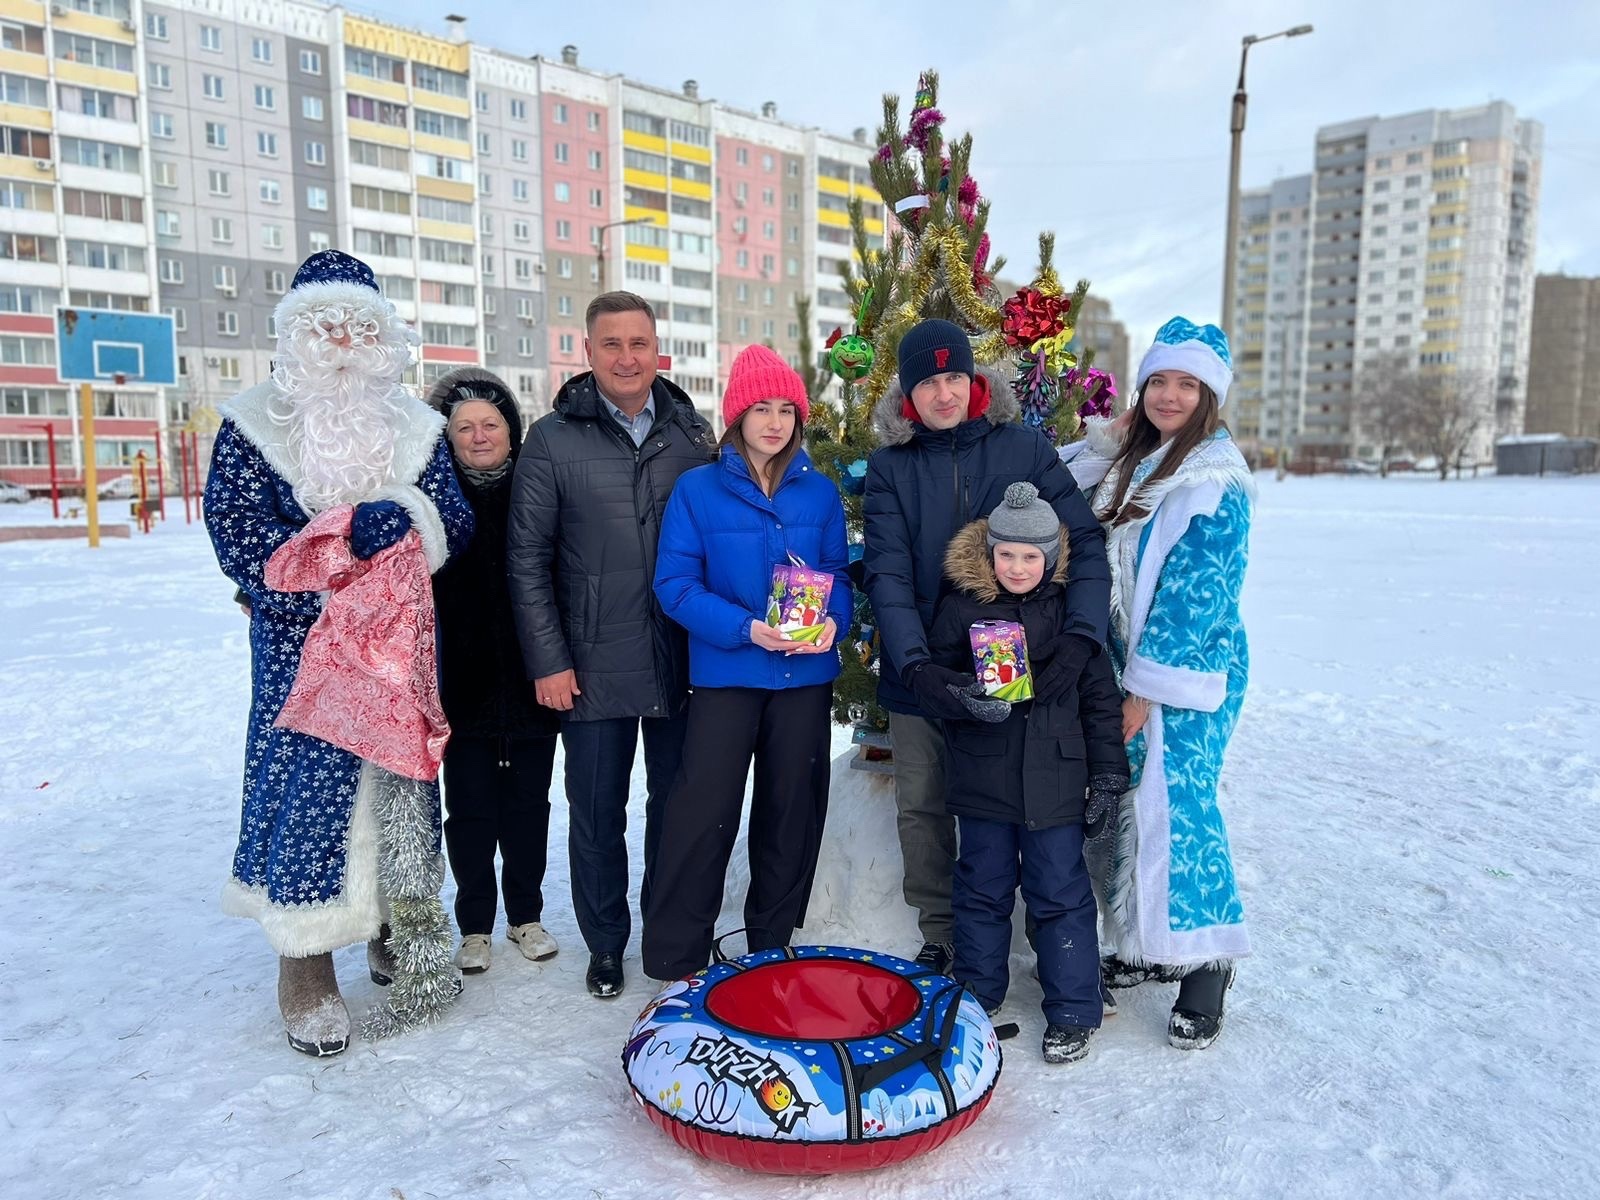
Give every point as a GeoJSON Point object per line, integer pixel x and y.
{"type": "Point", "coordinates": [807, 1060]}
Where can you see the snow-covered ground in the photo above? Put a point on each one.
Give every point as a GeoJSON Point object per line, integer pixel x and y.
{"type": "Point", "coordinates": [1412, 794]}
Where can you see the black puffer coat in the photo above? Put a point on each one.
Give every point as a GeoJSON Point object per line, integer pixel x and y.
{"type": "Point", "coordinates": [924, 485]}
{"type": "Point", "coordinates": [1033, 768]}
{"type": "Point", "coordinates": [586, 510]}
{"type": "Point", "coordinates": [480, 666]}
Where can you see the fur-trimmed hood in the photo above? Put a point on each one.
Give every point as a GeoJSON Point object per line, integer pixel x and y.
{"type": "Point", "coordinates": [474, 383]}
{"type": "Point", "coordinates": [969, 565]}
{"type": "Point", "coordinates": [893, 428]}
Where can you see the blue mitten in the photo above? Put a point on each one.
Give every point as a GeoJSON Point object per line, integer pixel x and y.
{"type": "Point", "coordinates": [377, 525]}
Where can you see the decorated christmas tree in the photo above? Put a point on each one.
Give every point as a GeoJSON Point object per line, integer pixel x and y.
{"type": "Point", "coordinates": [936, 262]}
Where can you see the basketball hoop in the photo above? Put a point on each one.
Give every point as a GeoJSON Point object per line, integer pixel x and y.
{"type": "Point", "coordinates": [119, 379]}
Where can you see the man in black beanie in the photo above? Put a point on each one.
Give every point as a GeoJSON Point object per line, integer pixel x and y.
{"type": "Point", "coordinates": [950, 445]}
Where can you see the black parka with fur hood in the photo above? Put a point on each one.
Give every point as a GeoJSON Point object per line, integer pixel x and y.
{"type": "Point", "coordinates": [1033, 768]}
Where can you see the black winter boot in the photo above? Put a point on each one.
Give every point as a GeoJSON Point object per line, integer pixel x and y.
{"type": "Point", "coordinates": [1066, 1043]}
{"type": "Point", "coordinates": [380, 959]}
{"type": "Point", "coordinates": [938, 955]}
{"type": "Point", "coordinates": [1196, 1019]}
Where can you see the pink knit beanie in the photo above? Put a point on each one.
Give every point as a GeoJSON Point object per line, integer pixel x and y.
{"type": "Point", "coordinates": [759, 374]}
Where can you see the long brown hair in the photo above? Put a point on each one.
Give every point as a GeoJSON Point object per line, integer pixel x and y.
{"type": "Point", "coordinates": [1142, 438]}
{"type": "Point", "coordinates": [778, 463]}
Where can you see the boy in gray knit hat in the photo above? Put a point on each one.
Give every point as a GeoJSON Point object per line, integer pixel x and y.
{"type": "Point", "coordinates": [1030, 781]}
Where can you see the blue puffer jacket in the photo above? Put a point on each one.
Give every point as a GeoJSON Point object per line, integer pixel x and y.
{"type": "Point", "coordinates": [720, 539]}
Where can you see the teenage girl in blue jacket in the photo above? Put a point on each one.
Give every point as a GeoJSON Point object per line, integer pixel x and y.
{"type": "Point", "coordinates": [756, 693]}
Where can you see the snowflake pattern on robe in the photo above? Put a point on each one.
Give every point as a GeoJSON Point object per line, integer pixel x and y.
{"type": "Point", "coordinates": [300, 794]}
{"type": "Point", "coordinates": [1183, 907]}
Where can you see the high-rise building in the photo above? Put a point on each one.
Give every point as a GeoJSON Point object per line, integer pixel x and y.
{"type": "Point", "coordinates": [1100, 331]}
{"type": "Point", "coordinates": [1421, 231]}
{"type": "Point", "coordinates": [1268, 326]}
{"type": "Point", "coordinates": [1564, 360]}
{"type": "Point", "coordinates": [184, 156]}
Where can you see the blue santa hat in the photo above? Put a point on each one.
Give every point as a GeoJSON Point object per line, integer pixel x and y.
{"type": "Point", "coordinates": [334, 266]}
{"type": "Point", "coordinates": [1198, 350]}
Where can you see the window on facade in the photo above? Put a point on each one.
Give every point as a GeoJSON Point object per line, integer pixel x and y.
{"type": "Point", "coordinates": [310, 62]}
{"type": "Point", "coordinates": [312, 108]}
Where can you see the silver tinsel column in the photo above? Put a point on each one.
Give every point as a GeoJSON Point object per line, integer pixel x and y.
{"type": "Point", "coordinates": [410, 875]}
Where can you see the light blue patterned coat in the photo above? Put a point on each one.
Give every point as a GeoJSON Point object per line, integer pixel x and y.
{"type": "Point", "coordinates": [306, 865]}
{"type": "Point", "coordinates": [1179, 641]}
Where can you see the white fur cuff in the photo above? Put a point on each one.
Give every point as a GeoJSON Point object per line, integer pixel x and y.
{"type": "Point", "coordinates": [1178, 687]}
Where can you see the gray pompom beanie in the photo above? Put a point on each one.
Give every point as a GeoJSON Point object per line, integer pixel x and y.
{"type": "Point", "coordinates": [1023, 517]}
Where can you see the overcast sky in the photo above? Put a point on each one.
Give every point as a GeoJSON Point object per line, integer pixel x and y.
{"type": "Point", "coordinates": [1108, 123]}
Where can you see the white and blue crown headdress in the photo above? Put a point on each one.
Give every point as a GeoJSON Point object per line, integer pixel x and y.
{"type": "Point", "coordinates": [1198, 350]}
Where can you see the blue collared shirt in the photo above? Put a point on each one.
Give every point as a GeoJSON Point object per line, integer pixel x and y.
{"type": "Point", "coordinates": [638, 427]}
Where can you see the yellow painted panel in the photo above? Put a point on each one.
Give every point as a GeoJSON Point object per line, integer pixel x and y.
{"type": "Point", "coordinates": [96, 77]}
{"type": "Point", "coordinates": [633, 212]}
{"type": "Point", "coordinates": [21, 114]}
{"type": "Point", "coordinates": [23, 168]}
{"type": "Point", "coordinates": [644, 141]}
{"type": "Point", "coordinates": [655, 254]}
{"type": "Point", "coordinates": [866, 192]}
{"type": "Point", "coordinates": [448, 230]}
{"type": "Point", "coordinates": [371, 131]}
{"type": "Point", "coordinates": [832, 186]}
{"type": "Point", "coordinates": [691, 188]}
{"type": "Point", "coordinates": [699, 154]}
{"type": "Point", "coordinates": [444, 189]}
{"type": "Point", "coordinates": [449, 147]}
{"type": "Point", "coordinates": [23, 10]}
{"type": "Point", "coordinates": [1442, 323]}
{"type": "Point", "coordinates": [874, 226]}
{"type": "Point", "coordinates": [454, 105]}
{"type": "Point", "coordinates": [35, 65]}
{"type": "Point", "coordinates": [827, 216]}
{"type": "Point", "coordinates": [106, 28]}
{"type": "Point", "coordinates": [407, 43]}
{"type": "Point", "coordinates": [379, 89]}
{"type": "Point", "coordinates": [644, 179]}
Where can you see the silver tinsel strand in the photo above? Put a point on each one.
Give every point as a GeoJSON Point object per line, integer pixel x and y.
{"type": "Point", "coordinates": [410, 874]}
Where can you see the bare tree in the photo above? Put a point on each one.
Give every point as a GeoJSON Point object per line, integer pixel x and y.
{"type": "Point", "coordinates": [1447, 410]}
{"type": "Point", "coordinates": [1388, 385]}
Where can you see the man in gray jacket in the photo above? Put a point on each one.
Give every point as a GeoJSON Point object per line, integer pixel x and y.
{"type": "Point", "coordinates": [591, 485]}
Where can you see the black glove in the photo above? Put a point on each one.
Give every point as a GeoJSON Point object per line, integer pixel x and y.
{"type": "Point", "coordinates": [980, 706]}
{"type": "Point", "coordinates": [376, 525]}
{"type": "Point", "coordinates": [937, 690]}
{"type": "Point", "coordinates": [1057, 665]}
{"type": "Point", "coordinates": [1104, 807]}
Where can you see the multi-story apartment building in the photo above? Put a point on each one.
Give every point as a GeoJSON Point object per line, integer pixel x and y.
{"type": "Point", "coordinates": [1421, 233]}
{"type": "Point", "coordinates": [1564, 358]}
{"type": "Point", "coordinates": [1100, 331]}
{"type": "Point", "coordinates": [183, 156]}
{"type": "Point", "coordinates": [1268, 325]}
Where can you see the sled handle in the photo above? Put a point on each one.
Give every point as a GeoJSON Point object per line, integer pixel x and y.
{"type": "Point", "coordinates": [932, 1046]}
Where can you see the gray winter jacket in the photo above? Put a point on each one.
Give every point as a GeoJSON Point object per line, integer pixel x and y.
{"type": "Point", "coordinates": [586, 509]}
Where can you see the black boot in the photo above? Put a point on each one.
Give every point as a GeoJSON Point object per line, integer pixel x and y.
{"type": "Point", "coordinates": [937, 955]}
{"type": "Point", "coordinates": [1066, 1043]}
{"type": "Point", "coordinates": [1196, 1019]}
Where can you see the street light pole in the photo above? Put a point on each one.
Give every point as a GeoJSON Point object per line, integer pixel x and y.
{"type": "Point", "coordinates": [600, 243]}
{"type": "Point", "coordinates": [1236, 132]}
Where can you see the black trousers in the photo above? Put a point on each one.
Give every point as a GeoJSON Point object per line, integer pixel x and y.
{"type": "Point", "coordinates": [599, 769]}
{"type": "Point", "coordinates": [497, 794]}
{"type": "Point", "coordinates": [786, 733]}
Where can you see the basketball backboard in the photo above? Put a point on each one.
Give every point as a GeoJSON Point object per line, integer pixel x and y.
{"type": "Point", "coordinates": [100, 345]}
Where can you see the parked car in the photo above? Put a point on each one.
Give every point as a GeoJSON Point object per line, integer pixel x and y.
{"type": "Point", "coordinates": [123, 487]}
{"type": "Point", "coordinates": [14, 493]}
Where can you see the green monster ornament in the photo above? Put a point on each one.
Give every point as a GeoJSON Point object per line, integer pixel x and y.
{"type": "Point", "coordinates": [851, 357]}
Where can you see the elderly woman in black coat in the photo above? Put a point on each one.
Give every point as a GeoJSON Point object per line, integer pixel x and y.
{"type": "Point", "coordinates": [502, 747]}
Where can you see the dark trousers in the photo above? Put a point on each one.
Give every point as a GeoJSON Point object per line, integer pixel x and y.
{"type": "Point", "coordinates": [497, 794]}
{"type": "Point", "coordinates": [995, 857]}
{"type": "Point", "coordinates": [599, 759]}
{"type": "Point", "coordinates": [786, 733]}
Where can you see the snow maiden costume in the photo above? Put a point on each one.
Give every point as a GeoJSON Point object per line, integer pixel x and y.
{"type": "Point", "coordinates": [1179, 642]}
{"type": "Point", "coordinates": [331, 845]}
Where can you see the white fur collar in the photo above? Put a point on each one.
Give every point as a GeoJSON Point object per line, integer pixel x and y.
{"type": "Point", "coordinates": [414, 441]}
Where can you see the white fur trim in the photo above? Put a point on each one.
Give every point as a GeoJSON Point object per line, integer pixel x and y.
{"type": "Point", "coordinates": [1086, 464]}
{"type": "Point", "coordinates": [354, 915]}
{"type": "Point", "coordinates": [1099, 436]}
{"type": "Point", "coordinates": [1181, 687]}
{"type": "Point", "coordinates": [1138, 920]}
{"type": "Point", "coordinates": [1192, 358]}
{"type": "Point", "coordinates": [424, 519]}
{"type": "Point", "coordinates": [414, 441]}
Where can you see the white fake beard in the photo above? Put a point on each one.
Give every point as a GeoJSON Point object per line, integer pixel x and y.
{"type": "Point", "coordinates": [340, 403]}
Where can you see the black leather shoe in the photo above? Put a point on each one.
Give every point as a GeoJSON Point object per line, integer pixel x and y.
{"type": "Point", "coordinates": [605, 976]}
